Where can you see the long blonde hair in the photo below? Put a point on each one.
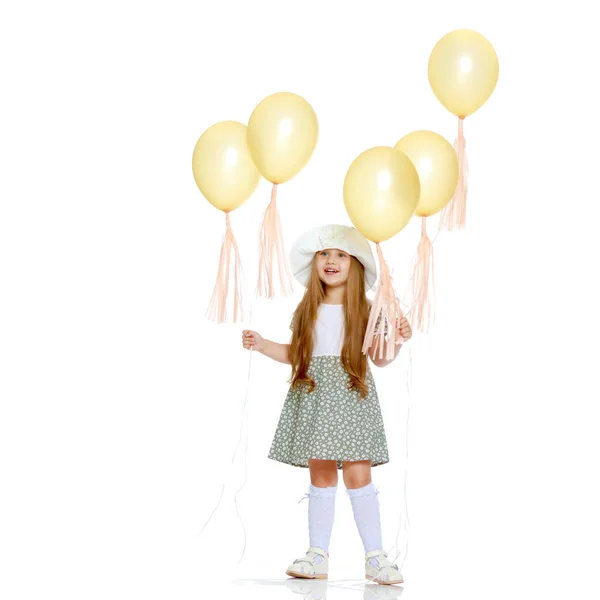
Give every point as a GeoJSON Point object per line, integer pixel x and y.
{"type": "Point", "coordinates": [356, 315]}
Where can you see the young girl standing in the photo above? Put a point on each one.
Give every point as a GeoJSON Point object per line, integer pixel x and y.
{"type": "Point", "coordinates": [331, 418]}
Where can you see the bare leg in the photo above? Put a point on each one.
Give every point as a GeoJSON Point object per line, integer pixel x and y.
{"type": "Point", "coordinates": [323, 473]}
{"type": "Point", "coordinates": [356, 474]}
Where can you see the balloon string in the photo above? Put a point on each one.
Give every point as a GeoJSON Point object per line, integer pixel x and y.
{"type": "Point", "coordinates": [406, 522]}
{"type": "Point", "coordinates": [246, 448]}
{"type": "Point", "coordinates": [460, 147]}
{"type": "Point", "coordinates": [244, 418]}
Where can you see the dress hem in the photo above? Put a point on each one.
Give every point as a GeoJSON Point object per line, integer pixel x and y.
{"type": "Point", "coordinates": [374, 462]}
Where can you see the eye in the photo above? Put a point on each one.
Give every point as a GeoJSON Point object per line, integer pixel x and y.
{"type": "Point", "coordinates": [323, 252]}
{"type": "Point", "coordinates": [342, 254]}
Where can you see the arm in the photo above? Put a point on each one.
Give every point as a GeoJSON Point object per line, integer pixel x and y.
{"type": "Point", "coordinates": [278, 352]}
{"type": "Point", "coordinates": [252, 340]}
{"type": "Point", "coordinates": [403, 331]}
{"type": "Point", "coordinates": [382, 362]}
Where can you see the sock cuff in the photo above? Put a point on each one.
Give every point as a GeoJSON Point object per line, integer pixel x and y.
{"type": "Point", "coordinates": [320, 492]}
{"type": "Point", "coordinates": [367, 490]}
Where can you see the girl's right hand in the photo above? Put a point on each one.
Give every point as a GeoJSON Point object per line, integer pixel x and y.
{"type": "Point", "coordinates": [252, 340]}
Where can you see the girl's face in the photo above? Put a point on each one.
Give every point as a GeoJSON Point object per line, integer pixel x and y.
{"type": "Point", "coordinates": [333, 266]}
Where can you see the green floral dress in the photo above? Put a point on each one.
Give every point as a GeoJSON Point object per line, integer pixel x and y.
{"type": "Point", "coordinates": [331, 422]}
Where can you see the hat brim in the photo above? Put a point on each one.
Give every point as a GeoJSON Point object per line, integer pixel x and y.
{"type": "Point", "coordinates": [345, 238]}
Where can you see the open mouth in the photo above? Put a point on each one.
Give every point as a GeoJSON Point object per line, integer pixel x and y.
{"type": "Point", "coordinates": [331, 271]}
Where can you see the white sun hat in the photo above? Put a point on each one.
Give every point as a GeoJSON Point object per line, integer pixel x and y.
{"type": "Point", "coordinates": [345, 238]}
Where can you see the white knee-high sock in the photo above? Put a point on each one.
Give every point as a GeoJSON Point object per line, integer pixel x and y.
{"type": "Point", "coordinates": [321, 510]}
{"type": "Point", "coordinates": [365, 507]}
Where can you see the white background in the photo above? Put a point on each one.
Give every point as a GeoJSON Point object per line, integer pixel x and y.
{"type": "Point", "coordinates": [121, 404]}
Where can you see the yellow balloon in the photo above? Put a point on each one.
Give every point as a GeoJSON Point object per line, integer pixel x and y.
{"type": "Point", "coordinates": [381, 192]}
{"type": "Point", "coordinates": [437, 165]}
{"type": "Point", "coordinates": [223, 167]}
{"type": "Point", "coordinates": [282, 134]}
{"type": "Point", "coordinates": [463, 71]}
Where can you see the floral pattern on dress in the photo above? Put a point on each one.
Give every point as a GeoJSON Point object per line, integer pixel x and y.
{"type": "Point", "coordinates": [331, 422]}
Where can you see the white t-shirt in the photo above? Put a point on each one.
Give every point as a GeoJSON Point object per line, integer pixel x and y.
{"type": "Point", "coordinates": [328, 334]}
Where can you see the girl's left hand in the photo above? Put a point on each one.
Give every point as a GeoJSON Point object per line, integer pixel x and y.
{"type": "Point", "coordinates": [404, 329]}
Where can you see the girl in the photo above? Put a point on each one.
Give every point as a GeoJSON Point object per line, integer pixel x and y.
{"type": "Point", "coordinates": [331, 418]}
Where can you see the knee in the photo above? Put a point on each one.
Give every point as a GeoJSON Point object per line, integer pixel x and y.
{"type": "Point", "coordinates": [323, 473]}
{"type": "Point", "coordinates": [324, 480]}
{"type": "Point", "coordinates": [356, 474]}
{"type": "Point", "coordinates": [353, 483]}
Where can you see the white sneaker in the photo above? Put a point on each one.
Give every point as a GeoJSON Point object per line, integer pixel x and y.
{"type": "Point", "coordinates": [385, 572]}
{"type": "Point", "coordinates": [314, 565]}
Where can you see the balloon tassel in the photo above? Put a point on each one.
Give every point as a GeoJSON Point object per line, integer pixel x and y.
{"type": "Point", "coordinates": [271, 246]}
{"type": "Point", "coordinates": [244, 415]}
{"type": "Point", "coordinates": [386, 305]}
{"type": "Point", "coordinates": [423, 282]}
{"type": "Point", "coordinates": [454, 214]}
{"type": "Point", "coordinates": [217, 309]}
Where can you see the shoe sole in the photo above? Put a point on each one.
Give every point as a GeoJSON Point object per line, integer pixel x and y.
{"type": "Point", "coordinates": [372, 578]}
{"type": "Point", "coordinates": [306, 575]}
